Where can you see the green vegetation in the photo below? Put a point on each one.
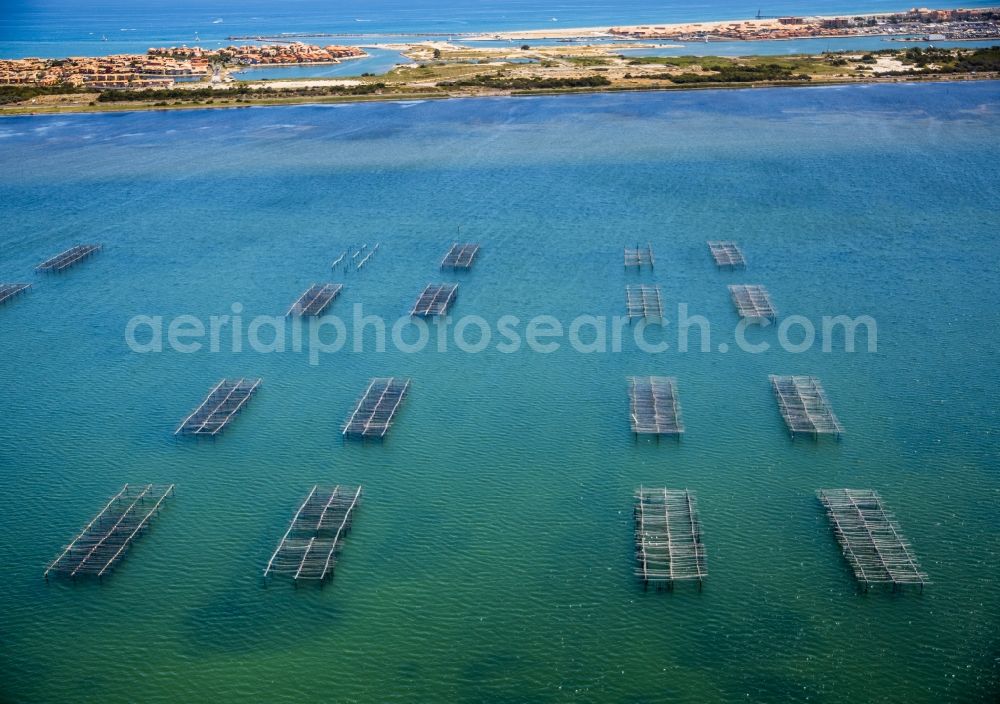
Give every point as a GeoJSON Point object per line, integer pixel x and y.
{"type": "Point", "coordinates": [17, 94]}
{"type": "Point", "coordinates": [209, 94]}
{"type": "Point", "coordinates": [428, 72]}
{"type": "Point", "coordinates": [740, 73]}
{"type": "Point", "coordinates": [987, 59]}
{"type": "Point", "coordinates": [806, 64]}
{"type": "Point", "coordinates": [935, 61]}
{"type": "Point", "coordinates": [588, 60]}
{"type": "Point", "coordinates": [917, 56]}
{"type": "Point", "coordinates": [676, 61]}
{"type": "Point", "coordinates": [504, 83]}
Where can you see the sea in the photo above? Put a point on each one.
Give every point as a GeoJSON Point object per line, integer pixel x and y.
{"type": "Point", "coordinates": [60, 28]}
{"type": "Point", "coordinates": [492, 557]}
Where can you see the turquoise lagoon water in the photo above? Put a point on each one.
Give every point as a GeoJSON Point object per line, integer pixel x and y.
{"type": "Point", "coordinates": [492, 557]}
{"type": "Point", "coordinates": [58, 28]}
{"type": "Point", "coordinates": [378, 61]}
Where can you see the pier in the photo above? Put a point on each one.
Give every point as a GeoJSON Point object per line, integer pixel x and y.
{"type": "Point", "coordinates": [668, 542]}
{"type": "Point", "coordinates": [221, 405]}
{"type": "Point", "coordinates": [804, 406]}
{"type": "Point", "coordinates": [638, 257]}
{"type": "Point", "coordinates": [653, 406]}
{"type": "Point", "coordinates": [71, 256]}
{"type": "Point", "coordinates": [460, 256]}
{"type": "Point", "coordinates": [436, 299]}
{"type": "Point", "coordinates": [870, 538]}
{"type": "Point", "coordinates": [106, 539]}
{"type": "Point", "coordinates": [752, 302]}
{"type": "Point", "coordinates": [315, 300]}
{"type": "Point", "coordinates": [374, 413]}
{"type": "Point", "coordinates": [727, 255]}
{"type": "Point", "coordinates": [309, 548]}
{"type": "Point", "coordinates": [643, 301]}
{"type": "Point", "coordinates": [8, 291]}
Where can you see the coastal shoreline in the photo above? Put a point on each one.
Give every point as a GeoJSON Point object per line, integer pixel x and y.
{"type": "Point", "coordinates": [408, 97]}
{"type": "Point", "coordinates": [617, 32]}
{"type": "Point", "coordinates": [235, 76]}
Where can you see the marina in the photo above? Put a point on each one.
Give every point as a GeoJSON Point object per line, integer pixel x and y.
{"type": "Point", "coordinates": [436, 299]}
{"type": "Point", "coordinates": [315, 300]}
{"type": "Point", "coordinates": [73, 255]}
{"type": "Point", "coordinates": [870, 539]}
{"type": "Point", "coordinates": [653, 406]}
{"type": "Point", "coordinates": [668, 544]}
{"type": "Point", "coordinates": [309, 549]}
{"type": "Point", "coordinates": [223, 402]}
{"type": "Point", "coordinates": [804, 406]}
{"type": "Point", "coordinates": [106, 539]}
{"type": "Point", "coordinates": [376, 409]}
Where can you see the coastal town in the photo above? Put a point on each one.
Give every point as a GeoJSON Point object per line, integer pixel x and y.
{"type": "Point", "coordinates": [165, 67]}
{"type": "Point", "coordinates": [937, 25]}
{"type": "Point", "coordinates": [161, 67]}
{"type": "Point", "coordinates": [567, 60]}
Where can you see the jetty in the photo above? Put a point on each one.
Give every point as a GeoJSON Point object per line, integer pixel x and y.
{"type": "Point", "coordinates": [870, 538]}
{"type": "Point", "coordinates": [643, 301]}
{"type": "Point", "coordinates": [752, 302]}
{"type": "Point", "coordinates": [315, 300]}
{"type": "Point", "coordinates": [309, 549]}
{"type": "Point", "coordinates": [375, 410]}
{"type": "Point", "coordinates": [638, 256]}
{"type": "Point", "coordinates": [71, 256]}
{"type": "Point", "coordinates": [221, 405]}
{"type": "Point", "coordinates": [653, 406]}
{"type": "Point", "coordinates": [460, 256]}
{"type": "Point", "coordinates": [727, 255]}
{"type": "Point", "coordinates": [105, 540]}
{"type": "Point", "coordinates": [668, 544]}
{"type": "Point", "coordinates": [8, 291]}
{"type": "Point", "coordinates": [804, 406]}
{"type": "Point", "coordinates": [436, 299]}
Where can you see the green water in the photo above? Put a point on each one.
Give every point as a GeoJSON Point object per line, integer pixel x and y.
{"type": "Point", "coordinates": [492, 556]}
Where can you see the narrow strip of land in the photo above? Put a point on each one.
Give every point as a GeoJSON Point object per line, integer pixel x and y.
{"type": "Point", "coordinates": [449, 70]}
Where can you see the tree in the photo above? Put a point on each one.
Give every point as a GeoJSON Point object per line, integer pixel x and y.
{"type": "Point", "coordinates": [437, 53]}
{"type": "Point", "coordinates": [525, 47]}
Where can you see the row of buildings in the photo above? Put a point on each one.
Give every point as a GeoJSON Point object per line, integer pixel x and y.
{"type": "Point", "coordinates": [979, 23]}
{"type": "Point", "coordinates": [101, 73]}
{"type": "Point", "coordinates": [292, 53]}
{"type": "Point", "coordinates": [159, 68]}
